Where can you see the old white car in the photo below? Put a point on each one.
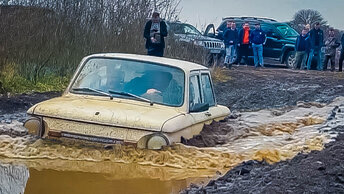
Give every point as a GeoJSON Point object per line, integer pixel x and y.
{"type": "Point", "coordinates": [146, 101]}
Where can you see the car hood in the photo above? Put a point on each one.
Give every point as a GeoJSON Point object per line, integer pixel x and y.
{"type": "Point", "coordinates": [291, 40]}
{"type": "Point", "coordinates": [192, 37]}
{"type": "Point", "coordinates": [106, 112]}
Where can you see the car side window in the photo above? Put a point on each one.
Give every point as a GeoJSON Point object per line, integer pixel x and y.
{"type": "Point", "coordinates": [269, 30]}
{"type": "Point", "coordinates": [195, 92]}
{"type": "Point", "coordinates": [207, 90]}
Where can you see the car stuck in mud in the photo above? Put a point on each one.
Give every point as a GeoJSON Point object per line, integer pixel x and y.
{"type": "Point", "coordinates": [146, 101]}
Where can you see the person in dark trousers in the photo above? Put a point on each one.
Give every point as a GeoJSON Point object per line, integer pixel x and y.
{"type": "Point", "coordinates": [154, 33]}
{"type": "Point", "coordinates": [258, 39]}
{"type": "Point", "coordinates": [341, 58]}
{"type": "Point", "coordinates": [244, 43]}
{"type": "Point", "coordinates": [331, 46]}
{"type": "Point", "coordinates": [302, 48]}
{"type": "Point", "coordinates": [230, 38]}
{"type": "Point", "coordinates": [317, 41]}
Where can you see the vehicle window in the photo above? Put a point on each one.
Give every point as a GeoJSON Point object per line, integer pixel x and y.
{"type": "Point", "coordinates": [287, 31]}
{"type": "Point", "coordinates": [269, 30]}
{"type": "Point", "coordinates": [158, 83]}
{"type": "Point", "coordinates": [183, 29]}
{"type": "Point", "coordinates": [207, 90]}
{"type": "Point", "coordinates": [195, 92]}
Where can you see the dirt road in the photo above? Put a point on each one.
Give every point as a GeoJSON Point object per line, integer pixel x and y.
{"type": "Point", "coordinates": [282, 109]}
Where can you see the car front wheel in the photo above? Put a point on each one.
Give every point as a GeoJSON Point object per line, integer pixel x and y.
{"type": "Point", "coordinates": [290, 59]}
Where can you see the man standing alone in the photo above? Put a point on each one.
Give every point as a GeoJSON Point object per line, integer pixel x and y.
{"type": "Point", "coordinates": [230, 38]}
{"type": "Point", "coordinates": [244, 43]}
{"type": "Point", "coordinates": [302, 48]}
{"type": "Point", "coordinates": [341, 58]}
{"type": "Point", "coordinates": [317, 41]}
{"type": "Point", "coordinates": [155, 32]}
{"type": "Point", "coordinates": [258, 38]}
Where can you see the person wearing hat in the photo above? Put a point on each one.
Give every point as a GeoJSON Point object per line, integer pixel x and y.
{"type": "Point", "coordinates": [258, 39]}
{"type": "Point", "coordinates": [317, 41]}
{"type": "Point", "coordinates": [155, 31]}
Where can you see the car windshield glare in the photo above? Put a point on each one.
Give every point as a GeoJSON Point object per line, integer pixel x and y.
{"type": "Point", "coordinates": [132, 79]}
{"type": "Point", "coordinates": [287, 31]}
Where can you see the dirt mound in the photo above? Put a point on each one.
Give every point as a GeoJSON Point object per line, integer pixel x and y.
{"type": "Point", "coordinates": [317, 172]}
{"type": "Point", "coordinates": [20, 103]}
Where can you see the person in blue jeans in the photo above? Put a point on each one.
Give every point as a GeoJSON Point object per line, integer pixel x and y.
{"type": "Point", "coordinates": [317, 40]}
{"type": "Point", "coordinates": [230, 38]}
{"type": "Point", "coordinates": [258, 38]}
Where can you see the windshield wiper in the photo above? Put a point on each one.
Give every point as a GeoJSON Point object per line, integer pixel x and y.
{"type": "Point", "coordinates": [131, 95]}
{"type": "Point", "coordinates": [93, 90]}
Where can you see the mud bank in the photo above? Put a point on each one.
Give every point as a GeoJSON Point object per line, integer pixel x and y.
{"type": "Point", "coordinates": [250, 89]}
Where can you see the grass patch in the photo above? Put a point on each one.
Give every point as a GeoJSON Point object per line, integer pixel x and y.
{"type": "Point", "coordinates": [220, 75]}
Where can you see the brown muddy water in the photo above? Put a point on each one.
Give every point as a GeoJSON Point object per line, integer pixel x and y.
{"type": "Point", "coordinates": [38, 166]}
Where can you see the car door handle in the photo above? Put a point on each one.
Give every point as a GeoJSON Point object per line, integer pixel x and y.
{"type": "Point", "coordinates": [207, 114]}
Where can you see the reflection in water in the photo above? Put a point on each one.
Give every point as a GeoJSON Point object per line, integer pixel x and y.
{"type": "Point", "coordinates": [270, 135]}
{"type": "Point", "coordinates": [13, 178]}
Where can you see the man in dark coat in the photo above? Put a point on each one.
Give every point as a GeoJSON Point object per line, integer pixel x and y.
{"type": "Point", "coordinates": [244, 43]}
{"type": "Point", "coordinates": [341, 58]}
{"type": "Point", "coordinates": [154, 33]}
{"type": "Point", "coordinates": [317, 41]}
{"type": "Point", "coordinates": [302, 48]}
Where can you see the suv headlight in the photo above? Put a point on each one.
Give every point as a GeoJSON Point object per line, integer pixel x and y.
{"type": "Point", "coordinates": [198, 43]}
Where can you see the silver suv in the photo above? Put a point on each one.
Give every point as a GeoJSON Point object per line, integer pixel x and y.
{"type": "Point", "coordinates": [187, 33]}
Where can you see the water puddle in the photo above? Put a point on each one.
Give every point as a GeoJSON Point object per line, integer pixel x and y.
{"type": "Point", "coordinates": [36, 166]}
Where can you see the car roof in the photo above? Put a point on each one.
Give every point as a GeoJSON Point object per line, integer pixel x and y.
{"type": "Point", "coordinates": [185, 65]}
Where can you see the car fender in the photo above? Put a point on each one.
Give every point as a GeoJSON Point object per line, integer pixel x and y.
{"type": "Point", "coordinates": [287, 47]}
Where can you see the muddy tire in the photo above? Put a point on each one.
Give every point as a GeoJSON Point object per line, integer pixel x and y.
{"type": "Point", "coordinates": [290, 60]}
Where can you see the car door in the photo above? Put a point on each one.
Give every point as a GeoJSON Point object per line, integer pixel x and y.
{"type": "Point", "coordinates": [274, 43]}
{"type": "Point", "coordinates": [201, 95]}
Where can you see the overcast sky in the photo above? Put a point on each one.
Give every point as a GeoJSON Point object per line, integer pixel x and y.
{"type": "Point", "coordinates": [202, 12]}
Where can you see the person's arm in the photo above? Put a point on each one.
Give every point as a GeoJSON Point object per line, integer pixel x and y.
{"type": "Point", "coordinates": [163, 29]}
{"type": "Point", "coordinates": [297, 43]}
{"type": "Point", "coordinates": [265, 38]}
{"type": "Point", "coordinates": [146, 32]}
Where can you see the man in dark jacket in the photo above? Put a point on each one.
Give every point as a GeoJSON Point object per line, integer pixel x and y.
{"type": "Point", "coordinates": [331, 46]}
{"type": "Point", "coordinates": [302, 49]}
{"type": "Point", "coordinates": [154, 33]}
{"type": "Point", "coordinates": [258, 38]}
{"type": "Point", "coordinates": [341, 58]}
{"type": "Point", "coordinates": [230, 38]}
{"type": "Point", "coordinates": [317, 41]}
{"type": "Point", "coordinates": [244, 43]}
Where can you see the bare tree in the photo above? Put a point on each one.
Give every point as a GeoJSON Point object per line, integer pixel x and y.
{"type": "Point", "coordinates": [307, 16]}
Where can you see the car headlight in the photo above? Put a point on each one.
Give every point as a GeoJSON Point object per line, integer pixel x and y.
{"type": "Point", "coordinates": [156, 142]}
{"type": "Point", "coordinates": [198, 43]}
{"type": "Point", "coordinates": [34, 126]}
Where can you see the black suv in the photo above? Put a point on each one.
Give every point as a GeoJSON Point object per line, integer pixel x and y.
{"type": "Point", "coordinates": [281, 38]}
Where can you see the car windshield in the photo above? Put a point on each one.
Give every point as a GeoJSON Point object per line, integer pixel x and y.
{"type": "Point", "coordinates": [131, 79]}
{"type": "Point", "coordinates": [177, 28]}
{"type": "Point", "coordinates": [287, 31]}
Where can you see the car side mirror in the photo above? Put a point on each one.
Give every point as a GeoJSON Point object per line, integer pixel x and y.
{"type": "Point", "coordinates": [201, 107]}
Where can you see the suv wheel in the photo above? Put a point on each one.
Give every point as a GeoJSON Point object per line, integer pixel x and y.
{"type": "Point", "coordinates": [290, 59]}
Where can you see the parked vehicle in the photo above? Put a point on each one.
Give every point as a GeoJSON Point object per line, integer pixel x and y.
{"type": "Point", "coordinates": [146, 101]}
{"type": "Point", "coordinates": [281, 38]}
{"type": "Point", "coordinates": [187, 33]}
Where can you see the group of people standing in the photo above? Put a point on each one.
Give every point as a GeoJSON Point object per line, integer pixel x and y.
{"type": "Point", "coordinates": [238, 43]}
{"type": "Point", "coordinates": [310, 44]}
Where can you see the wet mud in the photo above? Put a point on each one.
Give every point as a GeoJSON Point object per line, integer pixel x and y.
{"type": "Point", "coordinates": [277, 114]}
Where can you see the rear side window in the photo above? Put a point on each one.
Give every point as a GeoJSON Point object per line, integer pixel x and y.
{"type": "Point", "coordinates": [207, 89]}
{"type": "Point", "coordinates": [195, 91]}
